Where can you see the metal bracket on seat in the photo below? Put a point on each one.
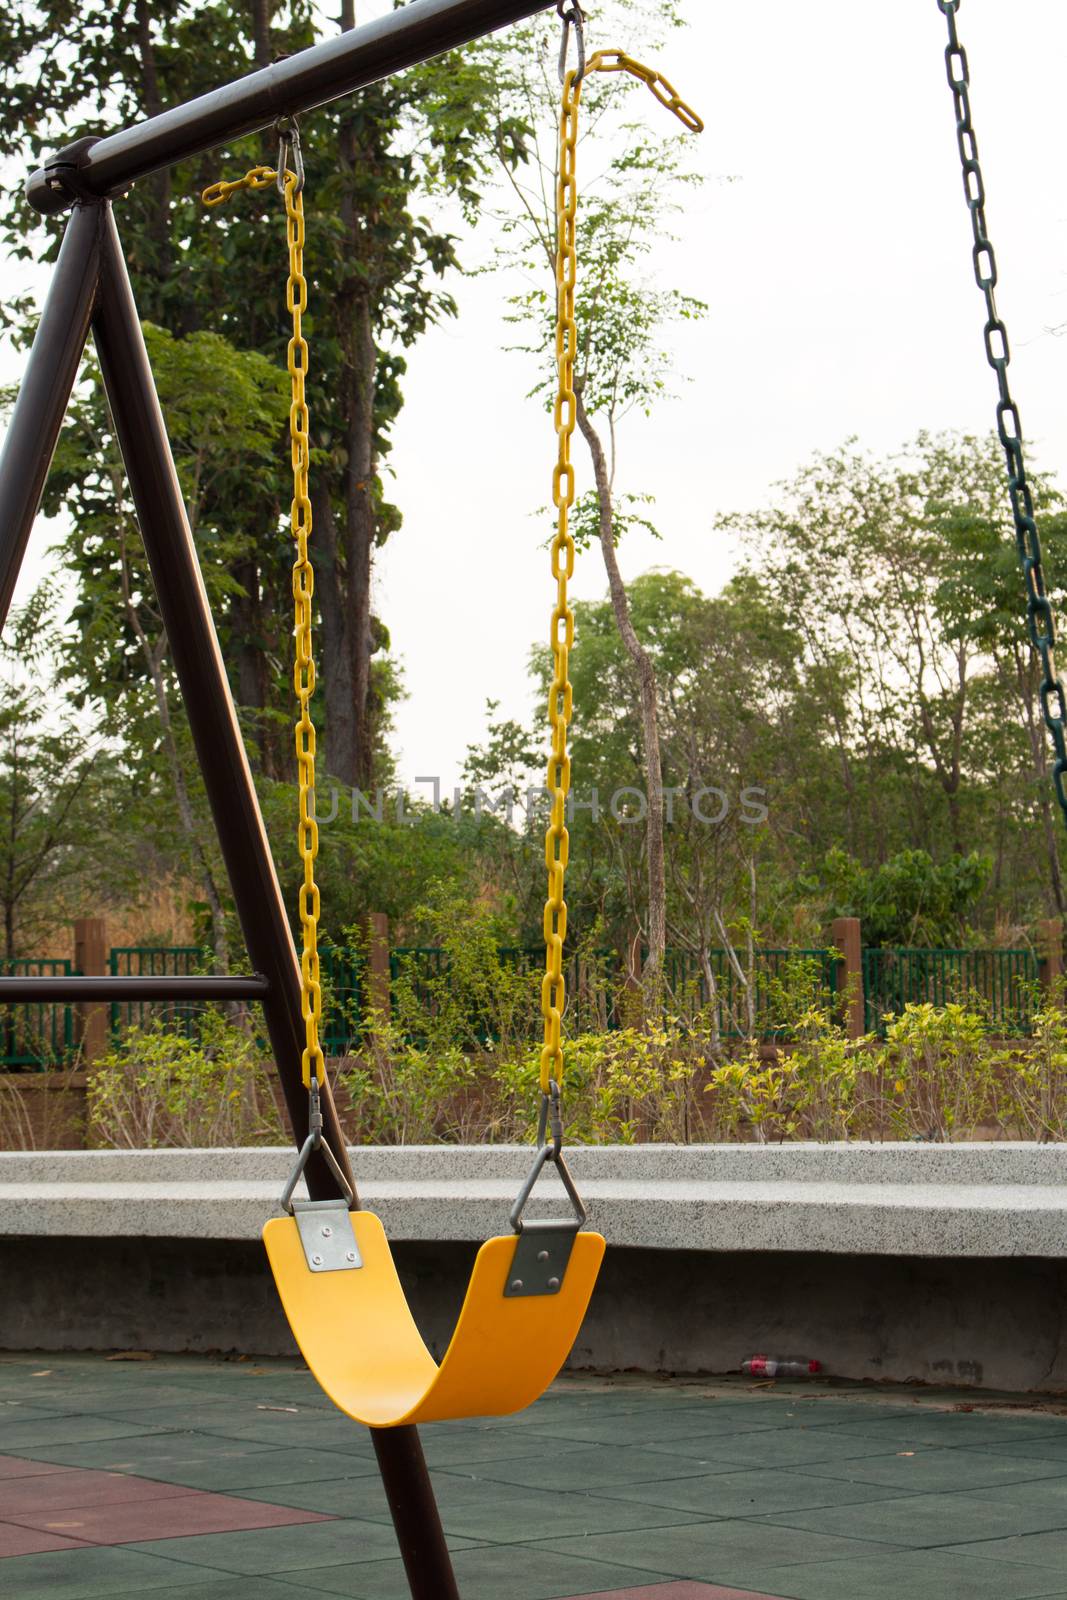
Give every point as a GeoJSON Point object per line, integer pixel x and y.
{"type": "Point", "coordinates": [326, 1235]}
{"type": "Point", "coordinates": [542, 1253]}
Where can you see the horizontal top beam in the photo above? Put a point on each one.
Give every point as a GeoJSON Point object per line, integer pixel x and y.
{"type": "Point", "coordinates": [40, 991]}
{"type": "Point", "coordinates": [312, 78]}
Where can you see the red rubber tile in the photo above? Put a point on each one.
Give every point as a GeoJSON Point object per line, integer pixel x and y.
{"type": "Point", "coordinates": [16, 1467]}
{"type": "Point", "coordinates": [77, 1487]}
{"type": "Point", "coordinates": [191, 1512]}
{"type": "Point", "coordinates": [16, 1541]}
{"type": "Point", "coordinates": [676, 1591]}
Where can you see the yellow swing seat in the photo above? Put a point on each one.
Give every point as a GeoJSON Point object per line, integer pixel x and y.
{"type": "Point", "coordinates": [358, 1337]}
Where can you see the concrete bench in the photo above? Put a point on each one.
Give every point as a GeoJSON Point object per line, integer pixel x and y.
{"type": "Point", "coordinates": [899, 1200]}
{"type": "Point", "coordinates": [912, 1260]}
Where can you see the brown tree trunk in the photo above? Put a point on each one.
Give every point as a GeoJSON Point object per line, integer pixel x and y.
{"type": "Point", "coordinates": [159, 183]}
{"type": "Point", "coordinates": [1024, 682]}
{"type": "Point", "coordinates": [343, 573]}
{"type": "Point", "coordinates": [646, 681]}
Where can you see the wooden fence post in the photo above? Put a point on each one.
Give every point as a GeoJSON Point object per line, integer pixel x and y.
{"type": "Point", "coordinates": [90, 959]}
{"type": "Point", "coordinates": [1050, 946]}
{"type": "Point", "coordinates": [378, 996]}
{"type": "Point", "coordinates": [847, 936]}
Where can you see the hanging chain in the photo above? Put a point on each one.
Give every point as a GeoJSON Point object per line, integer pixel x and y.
{"type": "Point", "coordinates": [1009, 428]}
{"type": "Point", "coordinates": [296, 299]}
{"type": "Point", "coordinates": [560, 694]}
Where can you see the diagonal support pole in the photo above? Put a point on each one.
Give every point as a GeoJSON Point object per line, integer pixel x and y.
{"type": "Point", "coordinates": [45, 391]}
{"type": "Point", "coordinates": [194, 649]}
{"type": "Point", "coordinates": [227, 777]}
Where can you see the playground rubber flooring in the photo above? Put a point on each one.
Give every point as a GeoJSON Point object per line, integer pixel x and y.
{"type": "Point", "coordinates": [233, 1480]}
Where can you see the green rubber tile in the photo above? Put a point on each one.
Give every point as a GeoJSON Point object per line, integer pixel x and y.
{"type": "Point", "coordinates": [746, 1494]}
{"type": "Point", "coordinates": [142, 1452]}
{"type": "Point", "coordinates": [461, 1450]}
{"type": "Point", "coordinates": [304, 1430]}
{"type": "Point", "coordinates": [933, 1519]}
{"type": "Point", "coordinates": [665, 1428]}
{"type": "Point", "coordinates": [965, 1430]}
{"type": "Point", "coordinates": [25, 1436]}
{"type": "Point", "coordinates": [911, 1575]}
{"type": "Point", "coordinates": [922, 1471]}
{"type": "Point", "coordinates": [1031, 1550]}
{"type": "Point", "coordinates": [1049, 1493]}
{"type": "Point", "coordinates": [238, 1473]}
{"type": "Point", "coordinates": [582, 1469]}
{"type": "Point", "coordinates": [488, 1573]}
{"type": "Point", "coordinates": [92, 1574]}
{"type": "Point", "coordinates": [13, 1412]}
{"type": "Point", "coordinates": [797, 1414]}
{"type": "Point", "coordinates": [775, 1447]}
{"type": "Point", "coordinates": [273, 1551]}
{"type": "Point", "coordinates": [475, 1508]}
{"type": "Point", "coordinates": [1051, 1448]}
{"type": "Point", "coordinates": [725, 1552]}
{"type": "Point", "coordinates": [196, 1412]}
{"type": "Point", "coordinates": [169, 1402]}
{"type": "Point", "coordinates": [227, 1587]}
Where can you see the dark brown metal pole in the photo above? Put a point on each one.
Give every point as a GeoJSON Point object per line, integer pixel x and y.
{"type": "Point", "coordinates": [45, 391]}
{"type": "Point", "coordinates": [415, 1515]}
{"type": "Point", "coordinates": [313, 77]}
{"type": "Point", "coordinates": [43, 991]}
{"type": "Point", "coordinates": [194, 648]}
{"type": "Point", "coordinates": [228, 779]}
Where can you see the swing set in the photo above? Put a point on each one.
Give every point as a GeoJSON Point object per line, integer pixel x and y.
{"type": "Point", "coordinates": [335, 1275]}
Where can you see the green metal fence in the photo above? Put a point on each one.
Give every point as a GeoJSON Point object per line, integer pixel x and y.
{"type": "Point", "coordinates": [341, 976]}
{"type": "Point", "coordinates": [998, 982]}
{"type": "Point", "coordinates": [36, 1035]}
{"type": "Point", "coordinates": [594, 983]}
{"type": "Point", "coordinates": [156, 961]}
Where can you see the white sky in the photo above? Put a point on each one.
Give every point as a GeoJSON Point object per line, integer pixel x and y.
{"type": "Point", "coordinates": [838, 271]}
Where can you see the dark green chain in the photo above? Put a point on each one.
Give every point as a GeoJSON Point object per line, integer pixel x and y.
{"type": "Point", "coordinates": [1038, 610]}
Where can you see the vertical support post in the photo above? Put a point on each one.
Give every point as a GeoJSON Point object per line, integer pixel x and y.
{"type": "Point", "coordinates": [379, 989]}
{"type": "Point", "coordinates": [847, 936]}
{"type": "Point", "coordinates": [90, 959]}
{"type": "Point", "coordinates": [1050, 945]}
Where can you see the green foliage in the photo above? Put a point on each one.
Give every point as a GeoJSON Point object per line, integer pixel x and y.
{"type": "Point", "coordinates": [157, 1087]}
{"type": "Point", "coordinates": [476, 1000]}
{"type": "Point", "coordinates": [942, 1070]}
{"type": "Point", "coordinates": [1033, 1081]}
{"type": "Point", "coordinates": [58, 790]}
{"type": "Point", "coordinates": [909, 899]}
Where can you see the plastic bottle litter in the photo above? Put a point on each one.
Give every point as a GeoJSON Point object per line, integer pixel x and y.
{"type": "Point", "coordinates": [774, 1367]}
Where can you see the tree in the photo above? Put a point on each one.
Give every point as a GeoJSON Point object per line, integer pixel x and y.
{"type": "Point", "coordinates": [900, 578]}
{"type": "Point", "coordinates": [118, 656]}
{"type": "Point", "coordinates": [377, 266]}
{"type": "Point", "coordinates": [623, 313]}
{"type": "Point", "coordinates": [55, 781]}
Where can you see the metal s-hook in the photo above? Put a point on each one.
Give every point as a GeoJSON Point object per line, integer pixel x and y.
{"type": "Point", "coordinates": [316, 1140]}
{"type": "Point", "coordinates": [288, 132]}
{"type": "Point", "coordinates": [571, 15]}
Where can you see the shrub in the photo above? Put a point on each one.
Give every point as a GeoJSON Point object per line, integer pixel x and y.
{"type": "Point", "coordinates": [940, 1066]}
{"type": "Point", "coordinates": [158, 1087]}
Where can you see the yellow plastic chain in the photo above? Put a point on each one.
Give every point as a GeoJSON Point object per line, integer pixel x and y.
{"type": "Point", "coordinates": [296, 296]}
{"type": "Point", "coordinates": [560, 694]}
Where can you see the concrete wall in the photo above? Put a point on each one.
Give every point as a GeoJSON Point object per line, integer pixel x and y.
{"type": "Point", "coordinates": [937, 1263]}
{"type": "Point", "coordinates": [995, 1323]}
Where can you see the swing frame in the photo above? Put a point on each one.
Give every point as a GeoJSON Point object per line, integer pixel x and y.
{"type": "Point", "coordinates": [90, 292]}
